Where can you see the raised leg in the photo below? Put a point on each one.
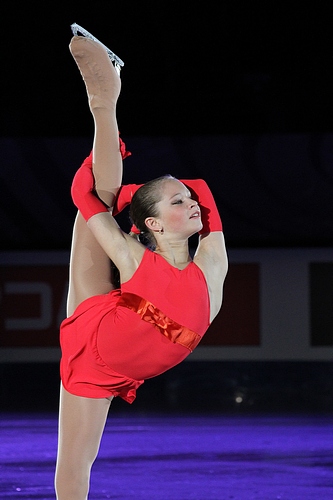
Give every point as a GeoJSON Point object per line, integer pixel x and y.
{"type": "Point", "coordinates": [90, 268]}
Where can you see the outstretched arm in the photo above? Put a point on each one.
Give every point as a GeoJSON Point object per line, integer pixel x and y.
{"type": "Point", "coordinates": [210, 216]}
{"type": "Point", "coordinates": [84, 191]}
{"type": "Point", "coordinates": [115, 243]}
{"type": "Point", "coordinates": [211, 255]}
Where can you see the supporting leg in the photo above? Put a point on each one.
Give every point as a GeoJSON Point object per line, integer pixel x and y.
{"type": "Point", "coordinates": [81, 424]}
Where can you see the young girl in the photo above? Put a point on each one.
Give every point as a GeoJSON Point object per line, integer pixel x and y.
{"type": "Point", "coordinates": [115, 338]}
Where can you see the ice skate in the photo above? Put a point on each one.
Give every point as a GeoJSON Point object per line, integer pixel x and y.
{"type": "Point", "coordinates": [99, 74]}
{"type": "Point", "coordinates": [118, 63]}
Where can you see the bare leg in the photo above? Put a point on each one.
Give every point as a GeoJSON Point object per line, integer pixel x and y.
{"type": "Point", "coordinates": [82, 420]}
{"type": "Point", "coordinates": [90, 270]}
{"type": "Point", "coordinates": [81, 424]}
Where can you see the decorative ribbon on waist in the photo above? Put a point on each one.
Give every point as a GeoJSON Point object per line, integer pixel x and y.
{"type": "Point", "coordinates": [175, 332]}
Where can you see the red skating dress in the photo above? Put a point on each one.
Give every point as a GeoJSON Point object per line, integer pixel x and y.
{"type": "Point", "coordinates": [113, 342]}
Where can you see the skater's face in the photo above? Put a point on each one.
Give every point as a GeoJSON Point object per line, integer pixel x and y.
{"type": "Point", "coordinates": [178, 212]}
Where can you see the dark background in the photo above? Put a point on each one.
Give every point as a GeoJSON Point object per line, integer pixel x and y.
{"type": "Point", "coordinates": [213, 77]}
{"type": "Point", "coordinates": [237, 92]}
{"type": "Point", "coordinates": [202, 67]}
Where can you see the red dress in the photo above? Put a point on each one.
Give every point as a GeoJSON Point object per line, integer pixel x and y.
{"type": "Point", "coordinates": [113, 342]}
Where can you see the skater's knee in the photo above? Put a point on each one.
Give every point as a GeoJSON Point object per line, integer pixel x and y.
{"type": "Point", "coordinates": [72, 483]}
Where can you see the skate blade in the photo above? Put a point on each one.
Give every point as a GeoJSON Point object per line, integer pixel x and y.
{"type": "Point", "coordinates": [118, 63]}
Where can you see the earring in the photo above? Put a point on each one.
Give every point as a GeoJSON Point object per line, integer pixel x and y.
{"type": "Point", "coordinates": [161, 231]}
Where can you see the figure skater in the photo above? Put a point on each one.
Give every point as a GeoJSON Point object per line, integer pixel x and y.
{"type": "Point", "coordinates": [114, 338]}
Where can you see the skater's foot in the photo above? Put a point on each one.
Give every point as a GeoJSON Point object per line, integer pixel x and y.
{"type": "Point", "coordinates": [100, 76]}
